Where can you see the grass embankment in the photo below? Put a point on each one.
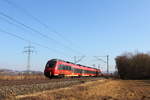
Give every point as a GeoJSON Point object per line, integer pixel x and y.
{"type": "Point", "coordinates": [97, 90]}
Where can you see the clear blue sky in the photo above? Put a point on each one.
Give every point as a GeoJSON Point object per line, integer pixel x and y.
{"type": "Point", "coordinates": [90, 27]}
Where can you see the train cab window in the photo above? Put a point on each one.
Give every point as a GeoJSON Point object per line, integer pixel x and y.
{"type": "Point", "coordinates": [51, 64]}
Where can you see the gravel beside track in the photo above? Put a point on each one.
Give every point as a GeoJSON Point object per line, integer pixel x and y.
{"type": "Point", "coordinates": [39, 81]}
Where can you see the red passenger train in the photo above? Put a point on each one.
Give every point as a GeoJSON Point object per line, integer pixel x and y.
{"type": "Point", "coordinates": [60, 68]}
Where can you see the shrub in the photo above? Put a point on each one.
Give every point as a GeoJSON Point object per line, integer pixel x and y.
{"type": "Point", "coordinates": [133, 66]}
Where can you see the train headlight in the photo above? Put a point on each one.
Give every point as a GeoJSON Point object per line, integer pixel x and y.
{"type": "Point", "coordinates": [50, 73]}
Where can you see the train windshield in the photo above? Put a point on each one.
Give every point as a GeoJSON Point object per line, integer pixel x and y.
{"type": "Point", "coordinates": [51, 64]}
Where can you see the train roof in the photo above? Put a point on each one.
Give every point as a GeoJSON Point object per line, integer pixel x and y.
{"type": "Point", "coordinates": [71, 63]}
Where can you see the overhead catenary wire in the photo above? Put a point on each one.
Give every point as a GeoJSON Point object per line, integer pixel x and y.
{"type": "Point", "coordinates": [43, 24]}
{"type": "Point", "coordinates": [34, 30]}
{"type": "Point", "coordinates": [106, 62]}
{"type": "Point", "coordinates": [26, 40]}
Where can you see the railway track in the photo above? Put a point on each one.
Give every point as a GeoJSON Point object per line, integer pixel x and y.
{"type": "Point", "coordinates": [41, 81]}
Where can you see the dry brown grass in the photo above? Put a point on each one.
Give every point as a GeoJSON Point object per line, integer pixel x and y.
{"type": "Point", "coordinates": [21, 77]}
{"type": "Point", "coordinates": [99, 90]}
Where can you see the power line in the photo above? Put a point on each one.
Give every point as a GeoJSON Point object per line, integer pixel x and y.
{"type": "Point", "coordinates": [34, 30]}
{"type": "Point", "coordinates": [26, 26]}
{"type": "Point", "coordinates": [23, 39]}
{"type": "Point", "coordinates": [40, 22]}
{"type": "Point", "coordinates": [9, 22]}
{"type": "Point", "coordinates": [37, 19]}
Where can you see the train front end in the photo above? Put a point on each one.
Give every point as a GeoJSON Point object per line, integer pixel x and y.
{"type": "Point", "coordinates": [50, 68]}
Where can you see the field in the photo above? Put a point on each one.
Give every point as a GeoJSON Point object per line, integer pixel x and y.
{"type": "Point", "coordinates": [22, 77]}
{"type": "Point", "coordinates": [74, 89]}
{"type": "Point", "coordinates": [11, 87]}
{"type": "Point", "coordinates": [97, 90]}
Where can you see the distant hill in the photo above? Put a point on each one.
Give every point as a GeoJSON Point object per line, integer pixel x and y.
{"type": "Point", "coordinates": [12, 72]}
{"type": "Point", "coordinates": [31, 72]}
{"type": "Point", "coordinates": [8, 72]}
